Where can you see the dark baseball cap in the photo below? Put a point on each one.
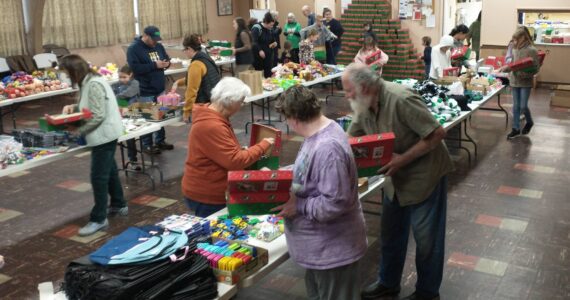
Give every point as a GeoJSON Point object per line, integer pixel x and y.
{"type": "Point", "coordinates": [153, 32]}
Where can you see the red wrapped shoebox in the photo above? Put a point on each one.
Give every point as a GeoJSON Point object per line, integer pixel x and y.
{"type": "Point", "coordinates": [522, 64]}
{"type": "Point", "coordinates": [461, 53]}
{"type": "Point", "coordinates": [371, 152]}
{"type": "Point", "coordinates": [453, 71]}
{"type": "Point", "coordinates": [68, 118]}
{"type": "Point", "coordinates": [271, 157]}
{"type": "Point", "coordinates": [372, 58]}
{"type": "Point", "coordinates": [257, 192]}
{"type": "Point", "coordinates": [496, 61]}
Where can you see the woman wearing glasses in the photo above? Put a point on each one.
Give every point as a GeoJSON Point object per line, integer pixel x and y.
{"type": "Point", "coordinates": [203, 75]}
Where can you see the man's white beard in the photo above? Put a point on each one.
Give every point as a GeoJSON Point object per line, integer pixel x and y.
{"type": "Point", "coordinates": [359, 105]}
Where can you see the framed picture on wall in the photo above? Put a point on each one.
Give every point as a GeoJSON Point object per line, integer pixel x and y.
{"type": "Point", "coordinates": [225, 8]}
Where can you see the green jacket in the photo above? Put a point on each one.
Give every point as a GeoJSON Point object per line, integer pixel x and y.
{"type": "Point", "coordinates": [293, 33]}
{"type": "Point", "coordinates": [105, 125]}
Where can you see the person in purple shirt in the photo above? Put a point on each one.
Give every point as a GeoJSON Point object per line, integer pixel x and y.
{"type": "Point", "coordinates": [324, 224]}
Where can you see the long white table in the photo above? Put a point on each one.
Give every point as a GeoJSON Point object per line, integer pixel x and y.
{"type": "Point", "coordinates": [277, 250]}
{"type": "Point", "coordinates": [464, 117]}
{"type": "Point", "coordinates": [13, 104]}
{"type": "Point", "coordinates": [148, 128]}
{"type": "Point", "coordinates": [264, 97]}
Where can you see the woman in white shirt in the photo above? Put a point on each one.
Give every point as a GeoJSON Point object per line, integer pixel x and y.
{"type": "Point", "coordinates": [441, 57]}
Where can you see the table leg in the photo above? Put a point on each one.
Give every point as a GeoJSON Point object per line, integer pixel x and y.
{"type": "Point", "coordinates": [469, 139]}
{"type": "Point", "coordinates": [1, 121]}
{"type": "Point", "coordinates": [13, 111]}
{"type": "Point", "coordinates": [504, 110]}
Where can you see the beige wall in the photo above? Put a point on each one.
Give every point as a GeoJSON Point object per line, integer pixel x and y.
{"type": "Point", "coordinates": [418, 28]}
{"type": "Point", "coordinates": [499, 17]}
{"type": "Point", "coordinates": [220, 27]}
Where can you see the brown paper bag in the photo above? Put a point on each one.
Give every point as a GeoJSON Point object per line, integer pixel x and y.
{"type": "Point", "coordinates": [253, 79]}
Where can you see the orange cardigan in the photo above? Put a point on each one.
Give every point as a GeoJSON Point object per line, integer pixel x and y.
{"type": "Point", "coordinates": [213, 150]}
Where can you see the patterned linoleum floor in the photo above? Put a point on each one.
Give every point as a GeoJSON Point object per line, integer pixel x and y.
{"type": "Point", "coordinates": [508, 230]}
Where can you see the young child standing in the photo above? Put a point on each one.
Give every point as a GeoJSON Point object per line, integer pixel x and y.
{"type": "Point", "coordinates": [128, 88]}
{"type": "Point", "coordinates": [426, 42]}
{"type": "Point", "coordinates": [287, 54]}
{"type": "Point", "coordinates": [306, 47]}
{"type": "Point", "coordinates": [368, 48]}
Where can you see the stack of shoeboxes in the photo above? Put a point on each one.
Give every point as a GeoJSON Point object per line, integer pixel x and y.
{"type": "Point", "coordinates": [403, 62]}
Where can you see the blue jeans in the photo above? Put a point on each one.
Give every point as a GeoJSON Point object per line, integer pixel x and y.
{"type": "Point", "coordinates": [160, 135]}
{"type": "Point", "coordinates": [105, 181]}
{"type": "Point", "coordinates": [427, 220]}
{"type": "Point", "coordinates": [201, 209]}
{"type": "Point", "coordinates": [520, 103]}
{"type": "Point", "coordinates": [427, 69]}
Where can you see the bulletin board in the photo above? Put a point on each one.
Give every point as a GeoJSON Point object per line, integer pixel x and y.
{"type": "Point", "coordinates": [416, 9]}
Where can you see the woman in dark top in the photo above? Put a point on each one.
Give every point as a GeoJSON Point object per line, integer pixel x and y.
{"type": "Point", "coordinates": [263, 44]}
{"type": "Point", "coordinates": [426, 42]}
{"type": "Point", "coordinates": [276, 33]}
{"type": "Point", "coordinates": [242, 50]}
{"type": "Point", "coordinates": [333, 47]}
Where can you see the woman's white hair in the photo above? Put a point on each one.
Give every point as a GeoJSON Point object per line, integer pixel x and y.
{"type": "Point", "coordinates": [229, 91]}
{"type": "Point", "coordinates": [291, 15]}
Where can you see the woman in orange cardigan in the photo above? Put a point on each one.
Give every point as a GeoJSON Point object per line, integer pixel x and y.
{"type": "Point", "coordinates": [213, 148]}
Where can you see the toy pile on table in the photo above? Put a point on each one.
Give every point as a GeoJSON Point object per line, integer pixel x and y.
{"type": "Point", "coordinates": [264, 228]}
{"type": "Point", "coordinates": [110, 71]}
{"type": "Point", "coordinates": [443, 108]}
{"type": "Point", "coordinates": [191, 225]}
{"type": "Point", "coordinates": [21, 84]}
{"type": "Point", "coordinates": [290, 74]}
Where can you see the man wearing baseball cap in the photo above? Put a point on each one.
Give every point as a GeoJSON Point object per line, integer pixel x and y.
{"type": "Point", "coordinates": [148, 60]}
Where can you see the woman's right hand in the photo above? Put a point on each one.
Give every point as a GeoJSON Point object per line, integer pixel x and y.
{"type": "Point", "coordinates": [271, 141]}
{"type": "Point", "coordinates": [68, 109]}
{"type": "Point", "coordinates": [261, 54]}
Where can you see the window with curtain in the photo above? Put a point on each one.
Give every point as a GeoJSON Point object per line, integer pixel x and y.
{"type": "Point", "coordinates": [174, 18]}
{"type": "Point", "coordinates": [12, 28]}
{"type": "Point", "coordinates": [88, 23]}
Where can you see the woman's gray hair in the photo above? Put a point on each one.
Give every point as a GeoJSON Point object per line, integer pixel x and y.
{"type": "Point", "coordinates": [291, 15]}
{"type": "Point", "coordinates": [362, 76]}
{"type": "Point", "coordinates": [229, 91]}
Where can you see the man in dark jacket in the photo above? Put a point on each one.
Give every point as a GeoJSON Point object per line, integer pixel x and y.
{"type": "Point", "coordinates": [263, 44]}
{"type": "Point", "coordinates": [276, 33]}
{"type": "Point", "coordinates": [334, 46]}
{"type": "Point", "coordinates": [148, 60]}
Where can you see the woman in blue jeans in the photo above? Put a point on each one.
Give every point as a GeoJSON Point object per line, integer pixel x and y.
{"type": "Point", "coordinates": [521, 81]}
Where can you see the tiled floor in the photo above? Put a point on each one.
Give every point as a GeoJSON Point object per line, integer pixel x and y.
{"type": "Point", "coordinates": [508, 230]}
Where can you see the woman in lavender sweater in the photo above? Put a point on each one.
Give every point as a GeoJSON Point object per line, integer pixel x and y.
{"type": "Point", "coordinates": [324, 222]}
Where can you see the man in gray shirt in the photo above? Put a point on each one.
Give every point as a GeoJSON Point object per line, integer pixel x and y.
{"type": "Point", "coordinates": [418, 171]}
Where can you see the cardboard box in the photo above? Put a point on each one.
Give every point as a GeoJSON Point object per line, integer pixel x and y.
{"type": "Point", "coordinates": [233, 277]}
{"type": "Point", "coordinates": [253, 79]}
{"type": "Point", "coordinates": [271, 157]}
{"type": "Point", "coordinates": [257, 192]}
{"type": "Point", "coordinates": [371, 152]}
{"type": "Point", "coordinates": [362, 185]}
{"type": "Point", "coordinates": [447, 80]}
{"type": "Point", "coordinates": [480, 81]}
{"type": "Point", "coordinates": [561, 96]}
{"type": "Point", "coordinates": [479, 88]}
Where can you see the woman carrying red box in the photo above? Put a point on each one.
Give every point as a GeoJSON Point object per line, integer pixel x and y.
{"type": "Point", "coordinates": [521, 78]}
